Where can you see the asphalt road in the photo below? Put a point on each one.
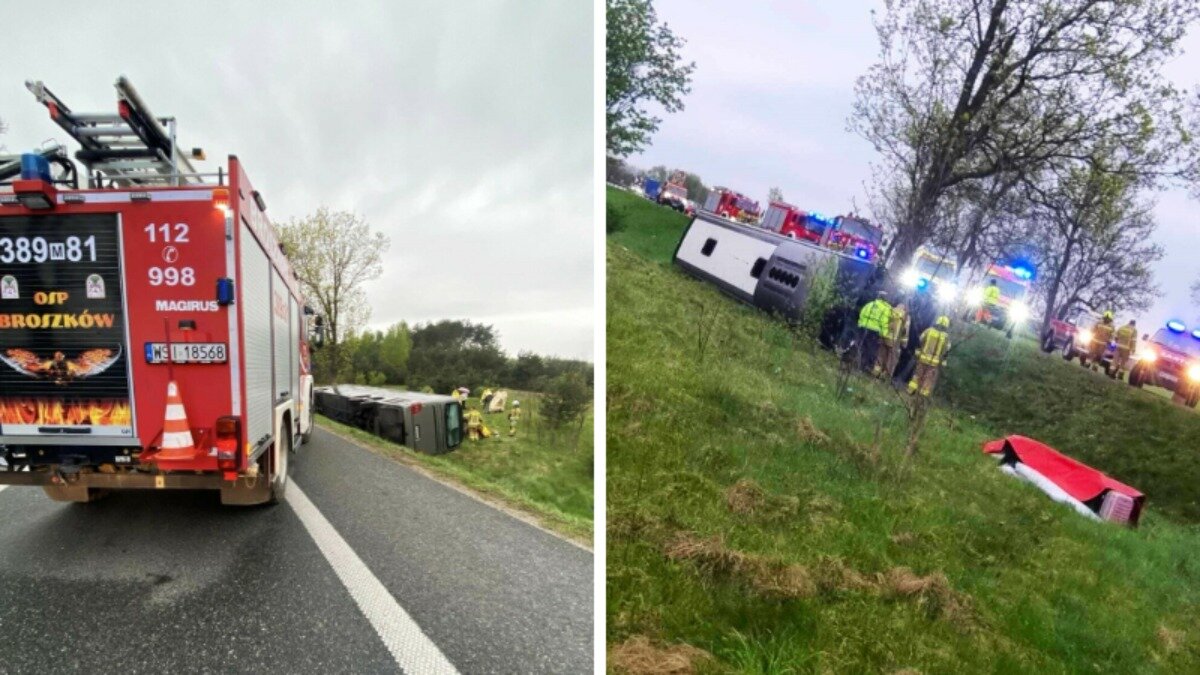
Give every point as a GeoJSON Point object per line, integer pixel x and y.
{"type": "Point", "coordinates": [172, 581]}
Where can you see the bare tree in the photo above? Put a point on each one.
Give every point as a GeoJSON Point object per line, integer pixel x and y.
{"type": "Point", "coordinates": [1099, 253]}
{"type": "Point", "coordinates": [334, 253]}
{"type": "Point", "coordinates": [966, 90]}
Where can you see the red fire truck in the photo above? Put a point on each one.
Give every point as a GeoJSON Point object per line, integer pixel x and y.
{"type": "Point", "coordinates": [849, 234]}
{"type": "Point", "coordinates": [732, 205]}
{"type": "Point", "coordinates": [152, 332]}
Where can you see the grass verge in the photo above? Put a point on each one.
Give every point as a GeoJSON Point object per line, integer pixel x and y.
{"type": "Point", "coordinates": [534, 473]}
{"type": "Point", "coordinates": [756, 524]}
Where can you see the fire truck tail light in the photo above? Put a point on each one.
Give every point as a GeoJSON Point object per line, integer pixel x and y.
{"type": "Point", "coordinates": [415, 408]}
{"type": "Point", "coordinates": [229, 432]}
{"type": "Point", "coordinates": [221, 200]}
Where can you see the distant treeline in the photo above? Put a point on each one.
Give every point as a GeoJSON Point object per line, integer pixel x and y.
{"type": "Point", "coordinates": [440, 356]}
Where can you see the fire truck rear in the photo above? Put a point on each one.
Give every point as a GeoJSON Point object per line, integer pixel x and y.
{"type": "Point", "coordinates": [732, 205]}
{"type": "Point", "coordinates": [848, 234]}
{"type": "Point", "coordinates": [152, 332]}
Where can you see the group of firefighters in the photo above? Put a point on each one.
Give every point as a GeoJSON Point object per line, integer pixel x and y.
{"type": "Point", "coordinates": [474, 414]}
{"type": "Point", "coordinates": [1105, 333]}
{"type": "Point", "coordinates": [884, 336]}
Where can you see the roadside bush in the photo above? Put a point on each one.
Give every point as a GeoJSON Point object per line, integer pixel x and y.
{"type": "Point", "coordinates": [614, 220]}
{"type": "Point", "coordinates": [823, 297]}
{"type": "Point", "coordinates": [566, 401]}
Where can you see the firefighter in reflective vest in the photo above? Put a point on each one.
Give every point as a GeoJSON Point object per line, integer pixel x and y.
{"type": "Point", "coordinates": [514, 416]}
{"type": "Point", "coordinates": [474, 423]}
{"type": "Point", "coordinates": [1102, 334]}
{"type": "Point", "coordinates": [931, 356]}
{"type": "Point", "coordinates": [991, 299]}
{"type": "Point", "coordinates": [1126, 346]}
{"type": "Point", "coordinates": [893, 341]}
{"type": "Point", "coordinates": [991, 294]}
{"type": "Point", "coordinates": [486, 398]}
{"type": "Point", "coordinates": [873, 322]}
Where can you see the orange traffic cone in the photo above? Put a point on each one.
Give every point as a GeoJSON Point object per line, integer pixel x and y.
{"type": "Point", "coordinates": [177, 441]}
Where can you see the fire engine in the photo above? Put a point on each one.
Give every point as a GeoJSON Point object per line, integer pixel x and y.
{"type": "Point", "coordinates": [932, 270]}
{"type": "Point", "coordinates": [675, 194]}
{"type": "Point", "coordinates": [1170, 359]}
{"type": "Point", "coordinates": [732, 205]}
{"type": "Point", "coordinates": [1010, 310]}
{"type": "Point", "coordinates": [849, 233]}
{"type": "Point", "coordinates": [152, 332]}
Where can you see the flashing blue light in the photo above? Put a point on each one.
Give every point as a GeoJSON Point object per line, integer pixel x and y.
{"type": "Point", "coordinates": [1176, 326]}
{"type": "Point", "coordinates": [34, 167]}
{"type": "Point", "coordinates": [922, 283]}
{"type": "Point", "coordinates": [862, 253]}
{"type": "Point", "coordinates": [1023, 273]}
{"type": "Point", "coordinates": [1196, 333]}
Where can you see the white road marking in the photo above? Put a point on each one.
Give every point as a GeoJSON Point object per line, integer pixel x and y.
{"type": "Point", "coordinates": [413, 651]}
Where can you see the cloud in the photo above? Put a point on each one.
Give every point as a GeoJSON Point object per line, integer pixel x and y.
{"type": "Point", "coordinates": [462, 130]}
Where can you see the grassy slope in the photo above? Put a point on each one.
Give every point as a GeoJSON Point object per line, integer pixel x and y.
{"type": "Point", "coordinates": [534, 471]}
{"type": "Point", "coordinates": [1044, 589]}
{"type": "Point", "coordinates": [1136, 436]}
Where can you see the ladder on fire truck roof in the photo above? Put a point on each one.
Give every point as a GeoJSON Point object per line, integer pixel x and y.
{"type": "Point", "coordinates": [129, 148]}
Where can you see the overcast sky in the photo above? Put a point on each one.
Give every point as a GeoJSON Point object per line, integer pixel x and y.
{"type": "Point", "coordinates": [463, 130]}
{"type": "Point", "coordinates": [773, 88]}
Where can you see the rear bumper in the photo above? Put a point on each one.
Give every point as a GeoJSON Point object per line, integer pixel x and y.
{"type": "Point", "coordinates": [123, 481]}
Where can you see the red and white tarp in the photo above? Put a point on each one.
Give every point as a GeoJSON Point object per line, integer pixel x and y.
{"type": "Point", "coordinates": [1103, 496]}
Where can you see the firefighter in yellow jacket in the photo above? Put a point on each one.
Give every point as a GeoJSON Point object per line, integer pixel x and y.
{"type": "Point", "coordinates": [1126, 346]}
{"type": "Point", "coordinates": [1102, 334]}
{"type": "Point", "coordinates": [514, 416]}
{"type": "Point", "coordinates": [931, 356]}
{"type": "Point", "coordinates": [872, 324]}
{"type": "Point", "coordinates": [474, 423]}
{"type": "Point", "coordinates": [893, 341]}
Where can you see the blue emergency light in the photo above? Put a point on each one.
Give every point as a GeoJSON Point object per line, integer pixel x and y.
{"type": "Point", "coordinates": [862, 253]}
{"type": "Point", "coordinates": [1196, 333]}
{"type": "Point", "coordinates": [922, 283]}
{"type": "Point", "coordinates": [224, 291]}
{"type": "Point", "coordinates": [1176, 326]}
{"type": "Point", "coordinates": [34, 167]}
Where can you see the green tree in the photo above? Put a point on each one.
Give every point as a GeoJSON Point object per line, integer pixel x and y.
{"type": "Point", "coordinates": [334, 254]}
{"type": "Point", "coordinates": [449, 354]}
{"type": "Point", "coordinates": [643, 66]}
{"type": "Point", "coordinates": [965, 90]}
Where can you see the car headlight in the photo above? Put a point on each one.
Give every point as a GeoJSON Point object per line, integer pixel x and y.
{"type": "Point", "coordinates": [910, 278]}
{"type": "Point", "coordinates": [946, 292]}
{"type": "Point", "coordinates": [1149, 356]}
{"type": "Point", "coordinates": [1085, 335]}
{"type": "Point", "coordinates": [975, 296]}
{"type": "Point", "coordinates": [1193, 372]}
{"type": "Point", "coordinates": [1018, 311]}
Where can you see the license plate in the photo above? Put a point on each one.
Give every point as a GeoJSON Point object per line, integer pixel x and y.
{"type": "Point", "coordinates": [186, 352]}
